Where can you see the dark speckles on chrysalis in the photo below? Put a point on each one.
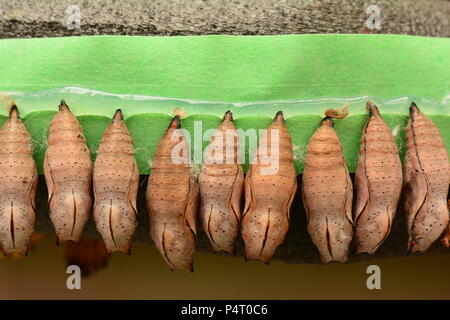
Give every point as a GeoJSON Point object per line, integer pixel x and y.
{"type": "Point", "coordinates": [221, 187]}
{"type": "Point", "coordinates": [172, 199]}
{"type": "Point", "coordinates": [378, 183]}
{"type": "Point", "coordinates": [427, 176]}
{"type": "Point", "coordinates": [327, 192]}
{"type": "Point", "coordinates": [68, 173]}
{"type": "Point", "coordinates": [270, 186]}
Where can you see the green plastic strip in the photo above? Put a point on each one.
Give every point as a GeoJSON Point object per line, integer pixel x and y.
{"type": "Point", "coordinates": [303, 75]}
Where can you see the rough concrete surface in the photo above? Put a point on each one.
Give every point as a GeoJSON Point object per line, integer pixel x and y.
{"type": "Point", "coordinates": [48, 18]}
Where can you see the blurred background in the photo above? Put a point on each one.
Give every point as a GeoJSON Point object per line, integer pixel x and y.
{"type": "Point", "coordinates": [144, 275]}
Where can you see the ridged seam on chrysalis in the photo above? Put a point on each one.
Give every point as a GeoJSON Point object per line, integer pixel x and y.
{"type": "Point", "coordinates": [426, 182]}
{"type": "Point", "coordinates": [68, 173]}
{"type": "Point", "coordinates": [269, 193]}
{"type": "Point", "coordinates": [221, 187]}
{"type": "Point", "coordinates": [18, 182]}
{"type": "Point", "coordinates": [327, 192]}
{"type": "Point", "coordinates": [172, 199]}
{"type": "Point", "coordinates": [378, 184]}
{"type": "Point", "coordinates": [116, 182]}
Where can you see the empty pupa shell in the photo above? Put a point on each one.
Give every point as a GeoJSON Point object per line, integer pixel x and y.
{"type": "Point", "coordinates": [327, 194]}
{"type": "Point", "coordinates": [378, 184]}
{"type": "Point", "coordinates": [18, 181]}
{"type": "Point", "coordinates": [68, 174]}
{"type": "Point", "coordinates": [270, 186]}
{"type": "Point", "coordinates": [426, 176]}
{"type": "Point", "coordinates": [172, 199]}
{"type": "Point", "coordinates": [221, 187]}
{"type": "Point", "coordinates": [116, 180]}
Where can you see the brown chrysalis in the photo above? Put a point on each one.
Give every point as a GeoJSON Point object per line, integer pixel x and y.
{"type": "Point", "coordinates": [378, 183]}
{"type": "Point", "coordinates": [270, 186]}
{"type": "Point", "coordinates": [18, 181]}
{"type": "Point", "coordinates": [116, 179]}
{"type": "Point", "coordinates": [427, 176]}
{"type": "Point", "coordinates": [327, 193]}
{"type": "Point", "coordinates": [221, 187]}
{"type": "Point", "coordinates": [172, 199]}
{"type": "Point", "coordinates": [68, 174]}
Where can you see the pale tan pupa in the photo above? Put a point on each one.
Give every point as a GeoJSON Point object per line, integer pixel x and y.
{"type": "Point", "coordinates": [172, 199]}
{"type": "Point", "coordinates": [270, 186]}
{"type": "Point", "coordinates": [327, 194]}
{"type": "Point", "coordinates": [378, 186]}
{"type": "Point", "coordinates": [221, 187]}
{"type": "Point", "coordinates": [68, 173]}
{"type": "Point", "coordinates": [18, 181]}
{"type": "Point", "coordinates": [427, 176]}
{"type": "Point", "coordinates": [116, 180]}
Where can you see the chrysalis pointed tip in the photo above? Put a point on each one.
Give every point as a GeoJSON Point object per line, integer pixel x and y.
{"type": "Point", "coordinates": [118, 115]}
{"type": "Point", "coordinates": [228, 116]}
{"type": "Point", "coordinates": [413, 109]}
{"type": "Point", "coordinates": [372, 108]}
{"type": "Point", "coordinates": [175, 123]}
{"type": "Point", "coordinates": [63, 106]}
{"type": "Point", "coordinates": [327, 121]}
{"type": "Point", "coordinates": [279, 117]}
{"type": "Point", "coordinates": [14, 112]}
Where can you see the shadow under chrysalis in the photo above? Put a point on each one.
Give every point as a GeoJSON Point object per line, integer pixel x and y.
{"type": "Point", "coordinates": [221, 187]}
